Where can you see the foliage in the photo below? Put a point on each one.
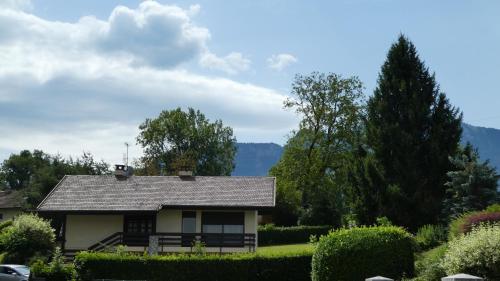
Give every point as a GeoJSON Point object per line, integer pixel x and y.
{"type": "Point", "coordinates": [56, 270]}
{"type": "Point", "coordinates": [477, 253]}
{"type": "Point", "coordinates": [28, 236]}
{"type": "Point", "coordinates": [382, 250]}
{"type": "Point", "coordinates": [428, 264]}
{"type": "Point", "coordinates": [472, 184]}
{"type": "Point", "coordinates": [411, 129]}
{"type": "Point", "coordinates": [199, 248]}
{"type": "Point", "coordinates": [309, 171]}
{"type": "Point", "coordinates": [5, 224]}
{"type": "Point", "coordinates": [36, 173]}
{"type": "Point", "coordinates": [237, 267]}
{"type": "Point", "coordinates": [493, 208]}
{"type": "Point", "coordinates": [430, 236]}
{"type": "Point", "coordinates": [272, 235]}
{"type": "Point", "coordinates": [383, 221]}
{"type": "Point", "coordinates": [467, 221]}
{"type": "Point", "coordinates": [365, 188]}
{"type": "Point", "coordinates": [186, 140]}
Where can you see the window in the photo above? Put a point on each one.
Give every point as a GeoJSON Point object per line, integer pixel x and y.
{"type": "Point", "coordinates": [139, 224]}
{"type": "Point", "coordinates": [1, 216]}
{"type": "Point", "coordinates": [223, 229]}
{"type": "Point", "coordinates": [219, 222]}
{"type": "Point", "coordinates": [6, 270]}
{"type": "Point", "coordinates": [188, 222]}
{"type": "Point", "coordinates": [188, 228]}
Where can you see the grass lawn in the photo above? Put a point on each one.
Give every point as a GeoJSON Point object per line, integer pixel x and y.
{"type": "Point", "coordinates": [286, 249]}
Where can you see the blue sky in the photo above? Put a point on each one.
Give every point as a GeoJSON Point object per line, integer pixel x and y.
{"type": "Point", "coordinates": [81, 75]}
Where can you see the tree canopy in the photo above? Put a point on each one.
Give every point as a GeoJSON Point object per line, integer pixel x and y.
{"type": "Point", "coordinates": [412, 130]}
{"type": "Point", "coordinates": [308, 173]}
{"type": "Point", "coordinates": [36, 173]}
{"type": "Point", "coordinates": [186, 140]}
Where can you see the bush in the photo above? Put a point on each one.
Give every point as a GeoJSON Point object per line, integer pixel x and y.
{"type": "Point", "coordinates": [273, 235]}
{"type": "Point", "coordinates": [359, 253]}
{"type": "Point", "coordinates": [428, 264]}
{"type": "Point", "coordinates": [28, 236]}
{"type": "Point", "coordinates": [5, 224]}
{"type": "Point", "coordinates": [477, 253]}
{"type": "Point", "coordinates": [466, 222]}
{"type": "Point", "coordinates": [56, 270]}
{"type": "Point", "coordinates": [430, 236]}
{"type": "Point", "coordinates": [237, 267]}
{"type": "Point", "coordinates": [493, 208]}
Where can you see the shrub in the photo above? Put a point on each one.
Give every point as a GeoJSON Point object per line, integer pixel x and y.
{"type": "Point", "coordinates": [5, 224]}
{"type": "Point", "coordinates": [428, 264]}
{"type": "Point", "coordinates": [477, 253]}
{"type": "Point", "coordinates": [273, 235]}
{"type": "Point", "coordinates": [466, 222]}
{"type": "Point", "coordinates": [493, 208]}
{"type": "Point", "coordinates": [430, 236]}
{"type": "Point", "coordinates": [358, 253]}
{"type": "Point", "coordinates": [56, 270]}
{"type": "Point", "coordinates": [28, 236]}
{"type": "Point", "coordinates": [237, 267]}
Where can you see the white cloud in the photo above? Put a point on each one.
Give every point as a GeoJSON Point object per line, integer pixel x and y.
{"type": "Point", "coordinates": [69, 87]}
{"type": "Point", "coordinates": [231, 64]}
{"type": "Point", "coordinates": [281, 61]}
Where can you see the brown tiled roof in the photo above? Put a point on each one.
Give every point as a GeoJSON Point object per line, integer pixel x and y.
{"type": "Point", "coordinates": [148, 193]}
{"type": "Point", "coordinates": [10, 199]}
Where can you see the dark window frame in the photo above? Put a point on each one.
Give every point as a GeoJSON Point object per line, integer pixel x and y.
{"type": "Point", "coordinates": [140, 218]}
{"type": "Point", "coordinates": [225, 239]}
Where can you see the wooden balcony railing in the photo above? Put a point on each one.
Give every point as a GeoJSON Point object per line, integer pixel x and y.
{"type": "Point", "coordinates": [213, 240]}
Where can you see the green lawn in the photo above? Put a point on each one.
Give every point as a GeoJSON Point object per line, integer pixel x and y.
{"type": "Point", "coordinates": [286, 249]}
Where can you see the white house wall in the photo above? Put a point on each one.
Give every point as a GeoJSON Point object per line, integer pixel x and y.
{"type": "Point", "coordinates": [83, 231]}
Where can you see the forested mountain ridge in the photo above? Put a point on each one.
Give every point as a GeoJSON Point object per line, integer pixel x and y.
{"type": "Point", "coordinates": [255, 159]}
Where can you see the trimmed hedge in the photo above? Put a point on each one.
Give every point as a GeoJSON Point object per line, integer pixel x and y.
{"type": "Point", "coordinates": [232, 267]}
{"type": "Point", "coordinates": [274, 235]}
{"type": "Point", "coordinates": [359, 253]}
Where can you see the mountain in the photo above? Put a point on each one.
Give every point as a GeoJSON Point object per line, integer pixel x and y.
{"type": "Point", "coordinates": [487, 140]}
{"type": "Point", "coordinates": [255, 159]}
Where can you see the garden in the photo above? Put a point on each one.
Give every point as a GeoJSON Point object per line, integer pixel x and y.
{"type": "Point", "coordinates": [469, 244]}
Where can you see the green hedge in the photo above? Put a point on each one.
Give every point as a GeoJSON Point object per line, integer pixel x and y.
{"type": "Point", "coordinates": [359, 253]}
{"type": "Point", "coordinates": [273, 235]}
{"type": "Point", "coordinates": [242, 267]}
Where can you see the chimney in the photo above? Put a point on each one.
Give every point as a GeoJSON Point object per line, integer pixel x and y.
{"type": "Point", "coordinates": [122, 172]}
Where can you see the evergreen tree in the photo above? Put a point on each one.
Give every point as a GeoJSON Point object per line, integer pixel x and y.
{"type": "Point", "coordinates": [412, 129]}
{"type": "Point", "coordinates": [472, 184]}
{"type": "Point", "coordinates": [365, 190]}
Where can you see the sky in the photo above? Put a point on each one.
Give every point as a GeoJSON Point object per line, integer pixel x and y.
{"type": "Point", "coordinates": [81, 76]}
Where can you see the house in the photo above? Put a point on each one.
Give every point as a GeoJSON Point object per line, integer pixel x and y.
{"type": "Point", "coordinates": [10, 204]}
{"type": "Point", "coordinates": [158, 213]}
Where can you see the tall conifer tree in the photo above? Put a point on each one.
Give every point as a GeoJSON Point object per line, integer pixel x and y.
{"type": "Point", "coordinates": [412, 130]}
